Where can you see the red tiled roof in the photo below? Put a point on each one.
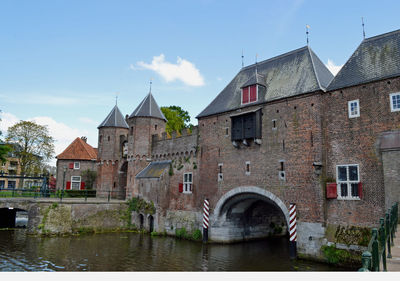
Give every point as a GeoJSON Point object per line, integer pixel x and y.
{"type": "Point", "coordinates": [78, 150]}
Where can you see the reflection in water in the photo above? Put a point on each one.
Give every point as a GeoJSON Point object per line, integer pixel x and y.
{"type": "Point", "coordinates": [135, 252]}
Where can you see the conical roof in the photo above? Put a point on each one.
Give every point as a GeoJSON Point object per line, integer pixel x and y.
{"type": "Point", "coordinates": [114, 119]}
{"type": "Point", "coordinates": [148, 108]}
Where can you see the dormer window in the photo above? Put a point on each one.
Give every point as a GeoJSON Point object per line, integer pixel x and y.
{"type": "Point", "coordinates": [249, 94]}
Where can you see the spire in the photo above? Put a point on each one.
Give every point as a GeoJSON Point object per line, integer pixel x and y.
{"type": "Point", "coordinates": [307, 28]}
{"type": "Point", "coordinates": [362, 23]}
{"type": "Point", "coordinates": [114, 119]}
{"type": "Point", "coordinates": [148, 108]}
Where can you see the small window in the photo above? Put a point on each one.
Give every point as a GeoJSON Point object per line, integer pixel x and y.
{"type": "Point", "coordinates": [247, 168]}
{"type": "Point", "coordinates": [354, 108]}
{"type": "Point", "coordinates": [2, 184]}
{"type": "Point", "coordinates": [77, 165]}
{"type": "Point", "coordinates": [226, 131]}
{"type": "Point", "coordinates": [100, 138]}
{"type": "Point", "coordinates": [187, 182]}
{"type": "Point", "coordinates": [155, 127]}
{"type": "Point", "coordinates": [108, 138]}
{"type": "Point", "coordinates": [274, 124]}
{"type": "Point", "coordinates": [75, 182]}
{"type": "Point", "coordinates": [131, 131]}
{"type": "Point", "coordinates": [249, 94]}
{"type": "Point", "coordinates": [220, 175]}
{"type": "Point", "coordinates": [348, 180]}
{"type": "Point", "coordinates": [282, 173]}
{"type": "Point", "coordinates": [11, 184]}
{"type": "Point", "coordinates": [395, 102]}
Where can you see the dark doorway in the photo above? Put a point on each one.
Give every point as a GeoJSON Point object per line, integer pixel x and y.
{"type": "Point", "coordinates": [151, 224]}
{"type": "Point", "coordinates": [141, 221]}
{"type": "Point", "coordinates": [7, 217]}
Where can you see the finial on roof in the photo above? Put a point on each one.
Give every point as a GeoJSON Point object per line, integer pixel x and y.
{"type": "Point", "coordinates": [307, 28]}
{"type": "Point", "coordinates": [151, 82]}
{"type": "Point", "coordinates": [362, 23]}
{"type": "Point", "coordinates": [242, 59]}
{"type": "Point", "coordinates": [116, 98]}
{"type": "Point", "coordinates": [256, 65]}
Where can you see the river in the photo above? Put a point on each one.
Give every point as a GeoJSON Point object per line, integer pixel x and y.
{"type": "Point", "coordinates": [141, 252]}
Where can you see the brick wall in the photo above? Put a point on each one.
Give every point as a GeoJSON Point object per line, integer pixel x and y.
{"type": "Point", "coordinates": [296, 140]}
{"type": "Point", "coordinates": [355, 141]}
{"type": "Point", "coordinates": [84, 165]}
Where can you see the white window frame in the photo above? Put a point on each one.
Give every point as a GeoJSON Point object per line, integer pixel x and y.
{"type": "Point", "coordinates": [75, 181]}
{"type": "Point", "coordinates": [188, 184]}
{"type": "Point", "coordinates": [249, 102]}
{"type": "Point", "coordinates": [347, 181]}
{"type": "Point", "coordinates": [245, 167]}
{"type": "Point", "coordinates": [391, 102]}
{"type": "Point", "coordinates": [220, 175]}
{"type": "Point", "coordinates": [77, 165]}
{"type": "Point", "coordinates": [351, 115]}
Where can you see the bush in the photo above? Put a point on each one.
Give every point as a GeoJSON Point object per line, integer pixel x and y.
{"type": "Point", "coordinates": [181, 233]}
{"type": "Point", "coordinates": [197, 235]}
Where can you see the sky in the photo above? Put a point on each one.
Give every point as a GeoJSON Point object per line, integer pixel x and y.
{"type": "Point", "coordinates": [62, 63]}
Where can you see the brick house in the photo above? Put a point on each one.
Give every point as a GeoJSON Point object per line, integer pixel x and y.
{"type": "Point", "coordinates": [78, 157]}
{"type": "Point", "coordinates": [284, 130]}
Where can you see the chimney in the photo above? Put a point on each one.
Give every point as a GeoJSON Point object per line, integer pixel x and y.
{"type": "Point", "coordinates": [84, 138]}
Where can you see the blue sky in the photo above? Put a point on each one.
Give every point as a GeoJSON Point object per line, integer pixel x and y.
{"type": "Point", "coordinates": [61, 62]}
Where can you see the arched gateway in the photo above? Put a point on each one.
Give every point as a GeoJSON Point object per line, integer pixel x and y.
{"type": "Point", "coordinates": [248, 212]}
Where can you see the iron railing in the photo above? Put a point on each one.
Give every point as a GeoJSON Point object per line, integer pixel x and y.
{"type": "Point", "coordinates": [46, 193]}
{"type": "Point", "coordinates": [379, 247]}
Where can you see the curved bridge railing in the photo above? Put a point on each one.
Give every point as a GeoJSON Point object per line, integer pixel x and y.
{"type": "Point", "coordinates": [379, 247]}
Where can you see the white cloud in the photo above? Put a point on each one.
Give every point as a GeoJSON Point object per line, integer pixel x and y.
{"type": "Point", "coordinates": [183, 70]}
{"type": "Point", "coordinates": [333, 67]}
{"type": "Point", "coordinates": [62, 134]}
{"type": "Point", "coordinates": [87, 120]}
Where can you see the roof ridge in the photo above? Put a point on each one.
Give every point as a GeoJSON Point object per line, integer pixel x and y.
{"type": "Point", "coordinates": [273, 58]}
{"type": "Point", "coordinates": [314, 69]}
{"type": "Point", "coordinates": [381, 35]}
{"type": "Point", "coordinates": [85, 144]}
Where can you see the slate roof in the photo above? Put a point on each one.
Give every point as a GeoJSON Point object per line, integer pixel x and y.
{"type": "Point", "coordinates": [290, 74]}
{"type": "Point", "coordinates": [114, 119]}
{"type": "Point", "coordinates": [376, 58]}
{"type": "Point", "coordinates": [255, 79]}
{"type": "Point", "coordinates": [78, 150]}
{"type": "Point", "coordinates": [154, 169]}
{"type": "Point", "coordinates": [148, 108]}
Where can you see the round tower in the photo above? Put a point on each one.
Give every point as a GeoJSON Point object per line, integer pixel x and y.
{"type": "Point", "coordinates": [112, 155]}
{"type": "Point", "coordinates": [146, 120]}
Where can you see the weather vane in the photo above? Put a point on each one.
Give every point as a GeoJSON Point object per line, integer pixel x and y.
{"type": "Point", "coordinates": [151, 82]}
{"type": "Point", "coordinates": [307, 28]}
{"type": "Point", "coordinates": [362, 23]}
{"type": "Point", "coordinates": [116, 98]}
{"type": "Point", "coordinates": [242, 59]}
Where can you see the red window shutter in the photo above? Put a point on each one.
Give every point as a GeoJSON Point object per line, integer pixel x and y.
{"type": "Point", "coordinates": [68, 185]}
{"type": "Point", "coordinates": [71, 165]}
{"type": "Point", "coordinates": [82, 185]}
{"type": "Point", "coordinates": [245, 95]}
{"type": "Point", "coordinates": [331, 190]}
{"type": "Point", "coordinates": [181, 187]}
{"type": "Point", "coordinates": [253, 93]}
{"type": "Point", "coordinates": [360, 194]}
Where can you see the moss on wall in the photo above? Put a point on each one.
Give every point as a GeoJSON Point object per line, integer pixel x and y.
{"type": "Point", "coordinates": [341, 257]}
{"type": "Point", "coordinates": [348, 235]}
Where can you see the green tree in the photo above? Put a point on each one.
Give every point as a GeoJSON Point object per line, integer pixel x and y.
{"type": "Point", "coordinates": [4, 149]}
{"type": "Point", "coordinates": [35, 146]}
{"type": "Point", "coordinates": [177, 118]}
{"type": "Point", "coordinates": [89, 177]}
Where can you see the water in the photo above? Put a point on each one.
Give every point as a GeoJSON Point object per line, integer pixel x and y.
{"type": "Point", "coordinates": [139, 252]}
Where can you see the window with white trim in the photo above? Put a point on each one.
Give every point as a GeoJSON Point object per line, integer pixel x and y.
{"type": "Point", "coordinates": [354, 108]}
{"type": "Point", "coordinates": [77, 165]}
{"type": "Point", "coordinates": [75, 182]}
{"type": "Point", "coordinates": [249, 94]}
{"type": "Point", "coordinates": [220, 175]}
{"type": "Point", "coordinates": [347, 179]}
{"type": "Point", "coordinates": [187, 182]}
{"type": "Point", "coordinates": [395, 102]}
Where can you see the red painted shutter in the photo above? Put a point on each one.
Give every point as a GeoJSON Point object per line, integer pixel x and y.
{"type": "Point", "coordinates": [181, 187]}
{"type": "Point", "coordinates": [245, 95]}
{"type": "Point", "coordinates": [331, 190]}
{"type": "Point", "coordinates": [253, 93]}
{"type": "Point", "coordinates": [360, 194]}
{"type": "Point", "coordinates": [71, 165]}
{"type": "Point", "coordinates": [68, 185]}
{"type": "Point", "coordinates": [82, 185]}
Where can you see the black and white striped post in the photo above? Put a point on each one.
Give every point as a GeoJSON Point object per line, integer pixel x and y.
{"type": "Point", "coordinates": [292, 231]}
{"type": "Point", "coordinates": [206, 215]}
